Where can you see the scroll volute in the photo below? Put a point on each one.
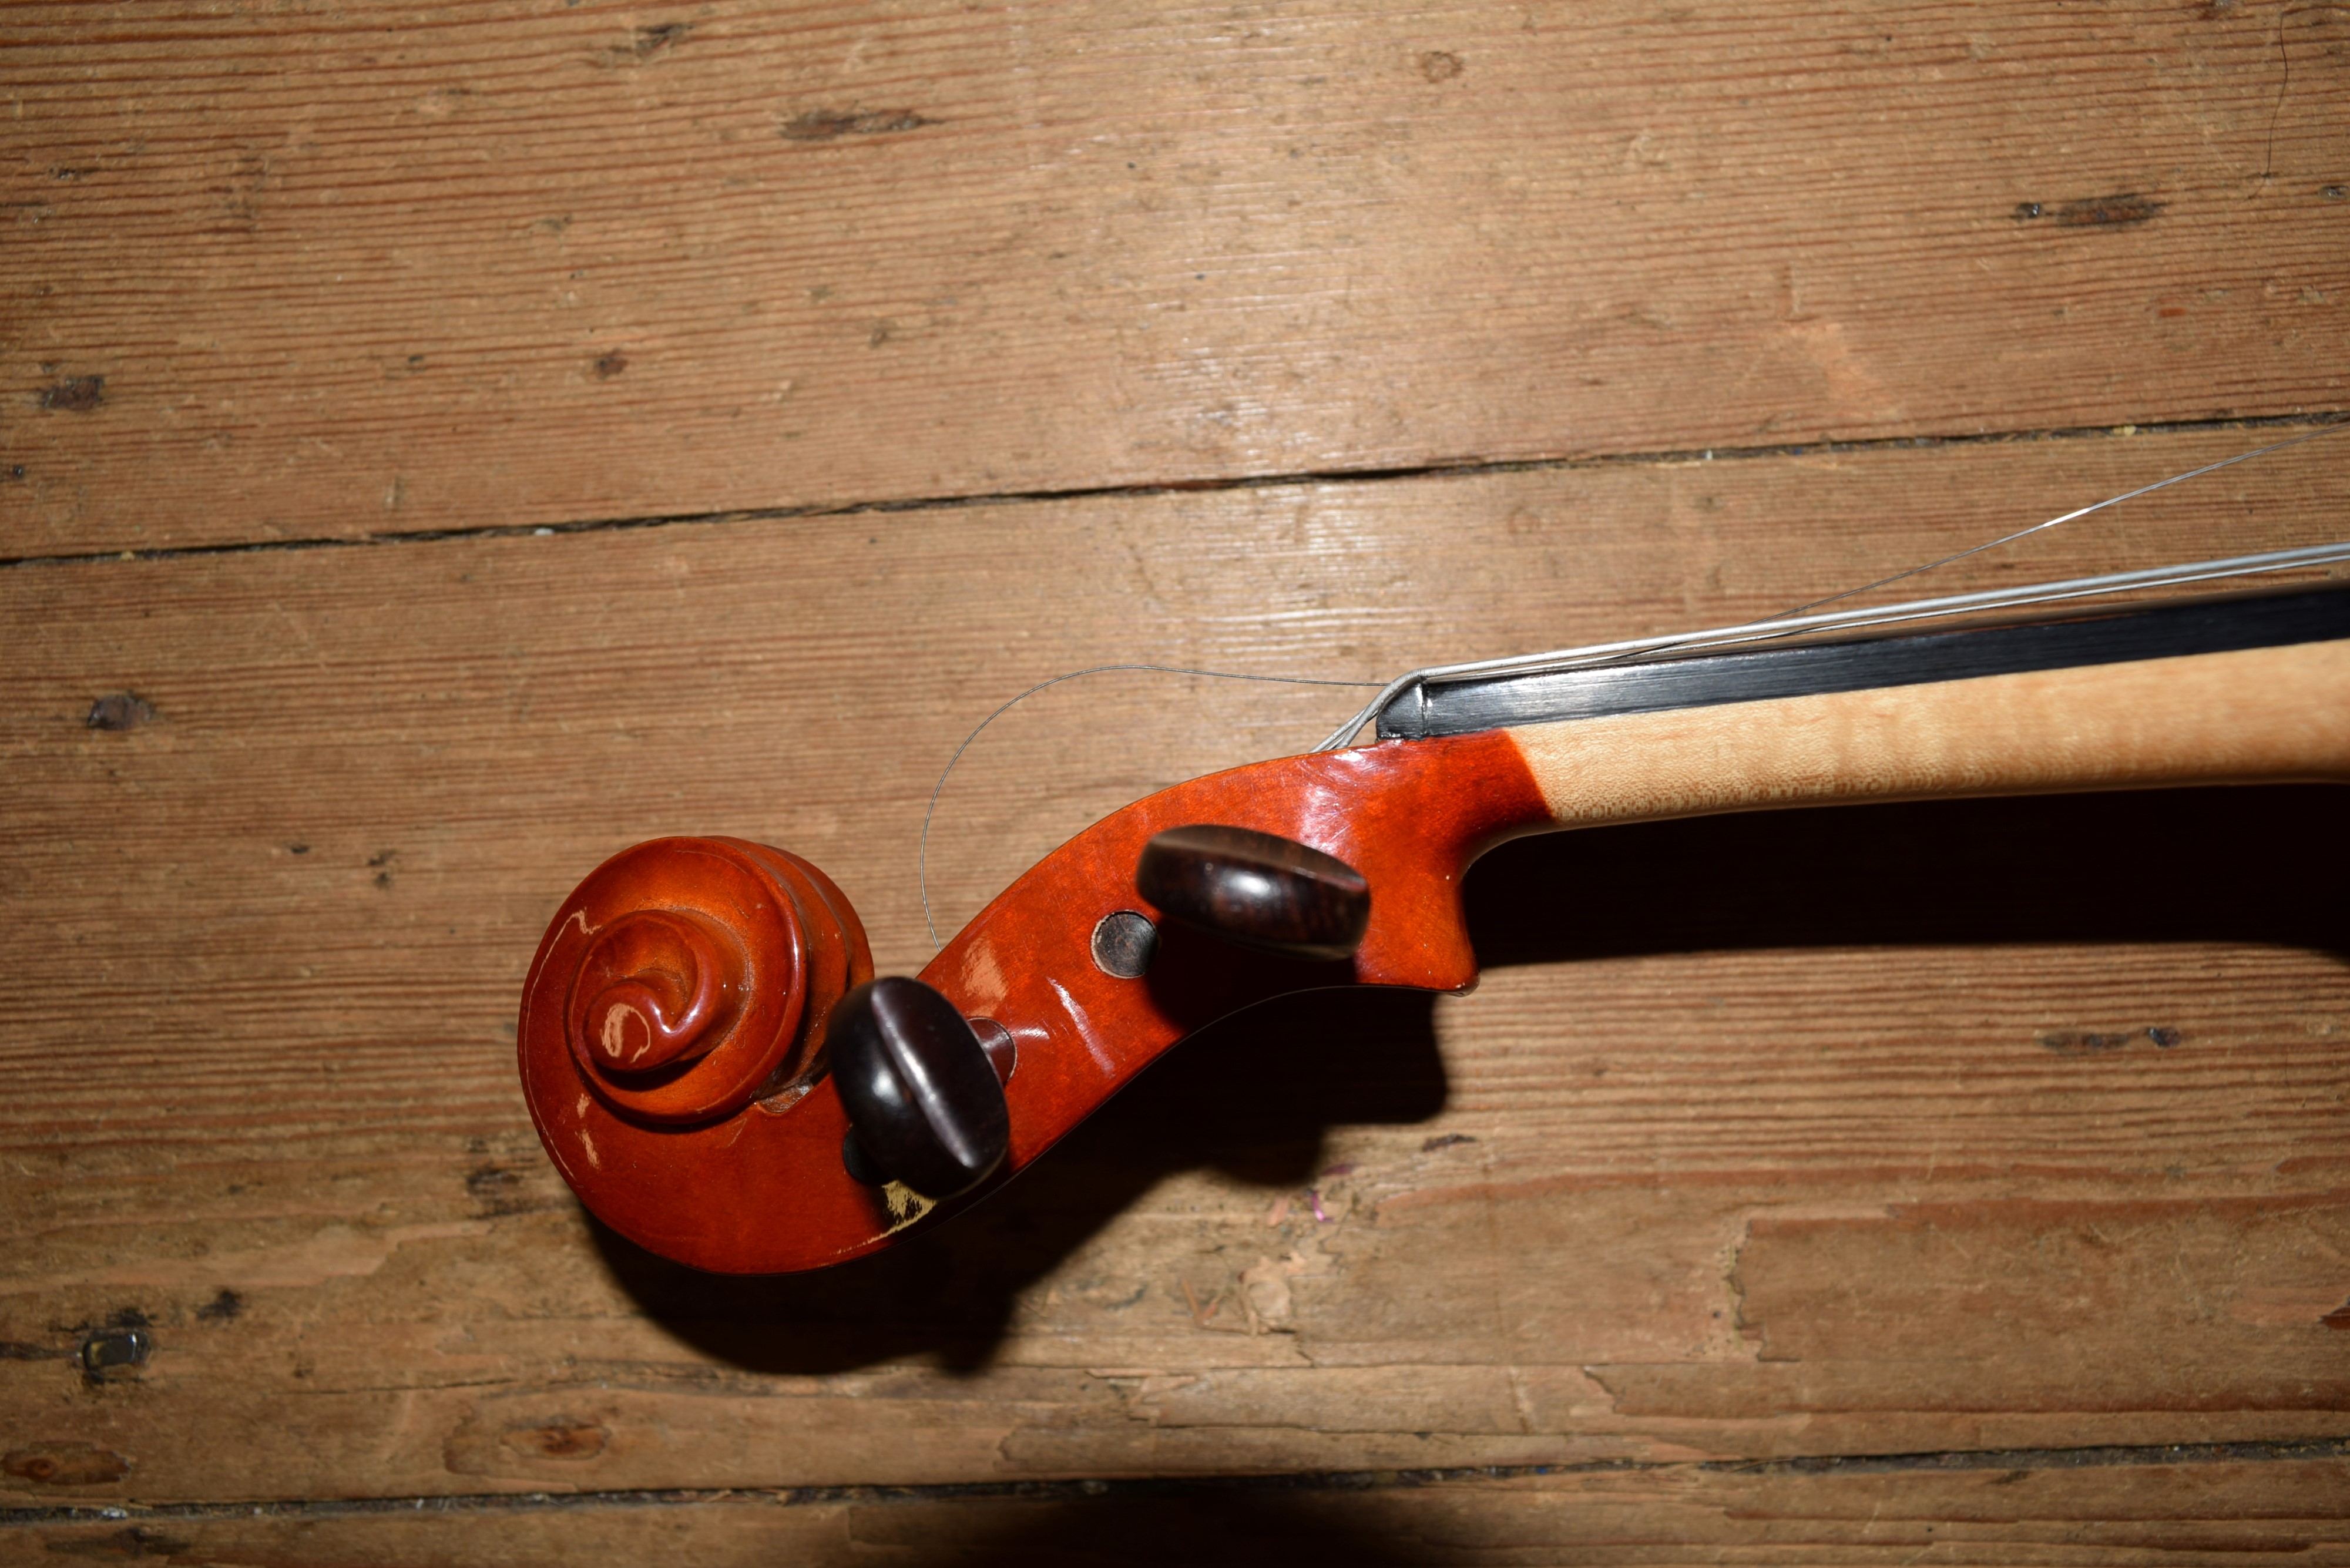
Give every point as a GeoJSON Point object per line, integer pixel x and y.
{"type": "Point", "coordinates": [687, 978]}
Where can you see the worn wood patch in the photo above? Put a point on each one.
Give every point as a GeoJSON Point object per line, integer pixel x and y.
{"type": "Point", "coordinates": [1910, 1129]}
{"type": "Point", "coordinates": [310, 272]}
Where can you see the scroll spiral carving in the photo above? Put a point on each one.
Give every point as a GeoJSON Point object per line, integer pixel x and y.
{"type": "Point", "coordinates": [688, 976]}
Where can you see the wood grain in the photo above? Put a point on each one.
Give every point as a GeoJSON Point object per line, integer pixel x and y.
{"type": "Point", "coordinates": [1964, 1181]}
{"type": "Point", "coordinates": [308, 271]}
{"type": "Point", "coordinates": [2269, 715]}
{"type": "Point", "coordinates": [1878, 1131]}
{"type": "Point", "coordinates": [2195, 1509]}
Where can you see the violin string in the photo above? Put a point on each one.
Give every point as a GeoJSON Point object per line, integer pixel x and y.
{"type": "Point", "coordinates": [2325, 430]}
{"type": "Point", "coordinates": [922, 854]}
{"type": "Point", "coordinates": [1789, 623]}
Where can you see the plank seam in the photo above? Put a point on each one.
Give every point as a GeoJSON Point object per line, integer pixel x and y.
{"type": "Point", "coordinates": [1468, 468]}
{"type": "Point", "coordinates": [2304, 1450]}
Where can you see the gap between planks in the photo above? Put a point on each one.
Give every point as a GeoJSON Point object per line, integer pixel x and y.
{"type": "Point", "coordinates": [2302, 1451]}
{"type": "Point", "coordinates": [1467, 468]}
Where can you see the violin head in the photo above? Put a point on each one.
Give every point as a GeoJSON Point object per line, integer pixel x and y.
{"type": "Point", "coordinates": [698, 1036]}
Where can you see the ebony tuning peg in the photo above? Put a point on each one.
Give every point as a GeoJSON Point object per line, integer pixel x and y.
{"type": "Point", "coordinates": [1256, 889]}
{"type": "Point", "coordinates": [925, 1107]}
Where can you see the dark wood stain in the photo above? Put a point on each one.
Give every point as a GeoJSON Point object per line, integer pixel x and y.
{"type": "Point", "coordinates": [831, 125]}
{"type": "Point", "coordinates": [65, 1464]}
{"type": "Point", "coordinates": [119, 711]}
{"type": "Point", "coordinates": [2108, 211]}
{"type": "Point", "coordinates": [76, 395]}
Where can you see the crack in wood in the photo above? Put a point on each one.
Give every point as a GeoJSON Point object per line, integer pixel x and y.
{"type": "Point", "coordinates": [1465, 468]}
{"type": "Point", "coordinates": [2302, 1451]}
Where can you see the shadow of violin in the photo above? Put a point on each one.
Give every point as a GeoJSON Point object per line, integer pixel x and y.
{"type": "Point", "coordinates": [2260, 865]}
{"type": "Point", "coordinates": [1260, 1522]}
{"type": "Point", "coordinates": [1255, 1095]}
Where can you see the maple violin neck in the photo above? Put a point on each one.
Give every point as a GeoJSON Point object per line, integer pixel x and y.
{"type": "Point", "coordinates": [697, 1021]}
{"type": "Point", "coordinates": [2258, 693]}
{"type": "Point", "coordinates": [1751, 665]}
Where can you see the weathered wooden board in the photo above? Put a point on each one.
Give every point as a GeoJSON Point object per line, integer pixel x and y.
{"type": "Point", "coordinates": [305, 270]}
{"type": "Point", "coordinates": [1984, 1126]}
{"type": "Point", "coordinates": [2198, 1508]}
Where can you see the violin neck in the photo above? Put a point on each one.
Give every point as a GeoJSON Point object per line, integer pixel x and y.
{"type": "Point", "coordinates": [2234, 690]}
{"type": "Point", "coordinates": [2168, 628]}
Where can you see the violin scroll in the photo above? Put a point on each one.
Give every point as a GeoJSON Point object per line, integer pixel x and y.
{"type": "Point", "coordinates": [688, 976]}
{"type": "Point", "coordinates": [655, 987]}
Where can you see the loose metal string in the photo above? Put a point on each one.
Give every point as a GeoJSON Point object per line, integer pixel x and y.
{"type": "Point", "coordinates": [2069, 517]}
{"type": "Point", "coordinates": [1641, 649]}
{"type": "Point", "coordinates": [1792, 622]}
{"type": "Point", "coordinates": [922, 858]}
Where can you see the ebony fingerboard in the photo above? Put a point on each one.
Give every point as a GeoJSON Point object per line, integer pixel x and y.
{"type": "Point", "coordinates": [2167, 630]}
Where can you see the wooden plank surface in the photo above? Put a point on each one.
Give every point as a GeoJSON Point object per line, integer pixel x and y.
{"type": "Point", "coordinates": [307, 272]}
{"type": "Point", "coordinates": [1859, 1132]}
{"type": "Point", "coordinates": [2124, 1510]}
{"type": "Point", "coordinates": [536, 428]}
